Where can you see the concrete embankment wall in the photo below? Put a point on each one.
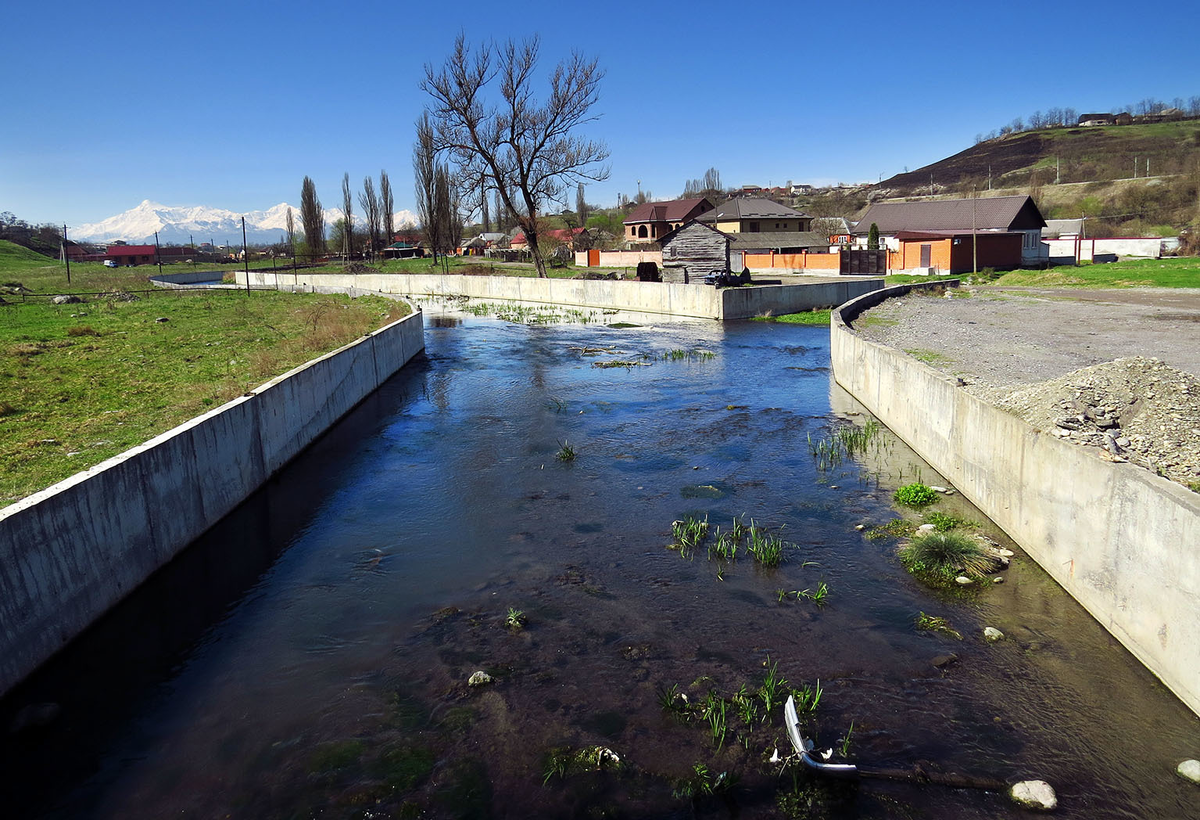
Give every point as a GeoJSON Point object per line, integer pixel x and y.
{"type": "Point", "coordinates": [181, 280]}
{"type": "Point", "coordinates": [693, 301]}
{"type": "Point", "coordinates": [1122, 541]}
{"type": "Point", "coordinates": [73, 550]}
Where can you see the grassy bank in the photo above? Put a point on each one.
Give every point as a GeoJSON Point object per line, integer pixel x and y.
{"type": "Point", "coordinates": [80, 383]}
{"type": "Point", "coordinates": [1179, 272]}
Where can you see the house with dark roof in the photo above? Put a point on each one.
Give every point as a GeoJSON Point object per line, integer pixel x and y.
{"type": "Point", "coordinates": [756, 215]}
{"type": "Point", "coordinates": [650, 221]}
{"type": "Point", "coordinates": [958, 218]}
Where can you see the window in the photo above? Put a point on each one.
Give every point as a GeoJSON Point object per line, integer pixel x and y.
{"type": "Point", "coordinates": [641, 232]}
{"type": "Point", "coordinates": [754, 227]}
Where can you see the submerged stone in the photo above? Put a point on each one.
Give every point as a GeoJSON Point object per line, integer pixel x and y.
{"type": "Point", "coordinates": [479, 678]}
{"type": "Point", "coordinates": [991, 634]}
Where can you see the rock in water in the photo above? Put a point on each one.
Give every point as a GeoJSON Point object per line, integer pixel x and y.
{"type": "Point", "coordinates": [1034, 794]}
{"type": "Point", "coordinates": [479, 678]}
{"type": "Point", "coordinates": [991, 634]}
{"type": "Point", "coordinates": [1189, 769]}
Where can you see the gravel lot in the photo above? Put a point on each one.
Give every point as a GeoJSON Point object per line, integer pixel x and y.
{"type": "Point", "coordinates": [1118, 370]}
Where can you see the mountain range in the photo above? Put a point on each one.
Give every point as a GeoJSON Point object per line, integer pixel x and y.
{"type": "Point", "coordinates": [183, 224]}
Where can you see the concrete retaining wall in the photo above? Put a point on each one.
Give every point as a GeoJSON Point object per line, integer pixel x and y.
{"type": "Point", "coordinates": [1088, 249]}
{"type": "Point", "coordinates": [1122, 541]}
{"type": "Point", "coordinates": [176, 280]}
{"type": "Point", "coordinates": [689, 301]}
{"type": "Point", "coordinates": [73, 550]}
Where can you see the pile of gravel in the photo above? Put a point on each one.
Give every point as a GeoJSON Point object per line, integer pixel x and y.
{"type": "Point", "coordinates": [1134, 408]}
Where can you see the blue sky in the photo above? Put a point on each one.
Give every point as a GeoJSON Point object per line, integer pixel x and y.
{"type": "Point", "coordinates": [231, 104]}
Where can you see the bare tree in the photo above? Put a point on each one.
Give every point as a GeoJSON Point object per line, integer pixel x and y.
{"type": "Point", "coordinates": [425, 181]}
{"type": "Point", "coordinates": [347, 216]}
{"type": "Point", "coordinates": [388, 207]}
{"type": "Point", "coordinates": [369, 201]}
{"type": "Point", "coordinates": [528, 149]}
{"type": "Point", "coordinates": [312, 217]}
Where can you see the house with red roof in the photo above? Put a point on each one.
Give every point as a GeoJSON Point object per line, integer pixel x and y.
{"type": "Point", "coordinates": [651, 221]}
{"type": "Point", "coordinates": [564, 236]}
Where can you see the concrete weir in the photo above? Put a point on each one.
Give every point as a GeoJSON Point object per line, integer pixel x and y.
{"type": "Point", "coordinates": [685, 301]}
{"type": "Point", "coordinates": [73, 550]}
{"type": "Point", "coordinates": [1122, 541]}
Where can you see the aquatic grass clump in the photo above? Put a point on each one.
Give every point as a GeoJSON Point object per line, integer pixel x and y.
{"type": "Point", "coordinates": [515, 619]}
{"type": "Point", "coordinates": [943, 556]}
{"type": "Point", "coordinates": [915, 495]}
{"type": "Point", "coordinates": [561, 761]}
{"type": "Point", "coordinates": [703, 783]}
{"type": "Point", "coordinates": [724, 548]}
{"type": "Point", "coordinates": [936, 623]}
{"type": "Point", "coordinates": [689, 533]}
{"type": "Point", "coordinates": [943, 522]}
{"type": "Point", "coordinates": [896, 528]}
{"type": "Point", "coordinates": [679, 355]}
{"type": "Point", "coordinates": [675, 703]}
{"type": "Point", "coordinates": [766, 548]}
{"type": "Point", "coordinates": [714, 710]}
{"type": "Point", "coordinates": [807, 698]}
{"type": "Point", "coordinates": [771, 693]}
{"type": "Point", "coordinates": [565, 452]}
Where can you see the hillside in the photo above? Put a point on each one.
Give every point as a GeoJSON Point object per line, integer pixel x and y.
{"type": "Point", "coordinates": [1094, 168]}
{"type": "Point", "coordinates": [13, 256]}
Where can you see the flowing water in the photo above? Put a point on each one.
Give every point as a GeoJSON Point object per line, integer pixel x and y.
{"type": "Point", "coordinates": [310, 656]}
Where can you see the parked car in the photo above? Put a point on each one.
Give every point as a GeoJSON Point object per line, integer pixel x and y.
{"type": "Point", "coordinates": [108, 263]}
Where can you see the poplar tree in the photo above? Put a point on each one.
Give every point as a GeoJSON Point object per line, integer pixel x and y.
{"type": "Point", "coordinates": [312, 218]}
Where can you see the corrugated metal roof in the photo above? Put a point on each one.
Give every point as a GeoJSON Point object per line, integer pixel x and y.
{"type": "Point", "coordinates": [1001, 213]}
{"type": "Point", "coordinates": [748, 207]}
{"type": "Point", "coordinates": [778, 240]}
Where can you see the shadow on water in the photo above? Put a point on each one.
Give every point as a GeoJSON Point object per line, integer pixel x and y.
{"type": "Point", "coordinates": [311, 655]}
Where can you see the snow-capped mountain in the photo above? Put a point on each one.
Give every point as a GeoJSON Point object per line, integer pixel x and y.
{"type": "Point", "coordinates": [179, 224]}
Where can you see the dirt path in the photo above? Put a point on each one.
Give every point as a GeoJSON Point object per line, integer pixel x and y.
{"type": "Point", "coordinates": [1114, 369]}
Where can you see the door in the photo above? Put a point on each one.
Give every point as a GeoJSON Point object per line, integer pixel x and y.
{"type": "Point", "coordinates": [926, 255]}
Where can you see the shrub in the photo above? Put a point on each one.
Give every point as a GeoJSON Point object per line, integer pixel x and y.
{"type": "Point", "coordinates": [942, 556]}
{"type": "Point", "coordinates": [915, 495]}
{"type": "Point", "coordinates": [82, 330]}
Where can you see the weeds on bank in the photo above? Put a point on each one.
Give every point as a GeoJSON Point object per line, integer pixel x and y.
{"type": "Point", "coordinates": [915, 495]}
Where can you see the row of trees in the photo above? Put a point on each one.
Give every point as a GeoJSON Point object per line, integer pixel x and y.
{"type": "Point", "coordinates": [378, 218]}
{"type": "Point", "coordinates": [1065, 117]}
{"type": "Point", "coordinates": [45, 239]}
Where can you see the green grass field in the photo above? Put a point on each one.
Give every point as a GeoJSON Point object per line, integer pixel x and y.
{"type": "Point", "coordinates": [80, 383]}
{"type": "Point", "coordinates": [1179, 272]}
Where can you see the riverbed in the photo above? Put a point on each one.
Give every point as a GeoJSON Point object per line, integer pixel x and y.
{"type": "Point", "coordinates": [505, 505]}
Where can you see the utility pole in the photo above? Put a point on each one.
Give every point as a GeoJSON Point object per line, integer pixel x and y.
{"type": "Point", "coordinates": [1057, 171]}
{"type": "Point", "coordinates": [245, 257]}
{"type": "Point", "coordinates": [157, 254]}
{"type": "Point", "coordinates": [931, 183]}
{"type": "Point", "coordinates": [989, 177]}
{"type": "Point", "coordinates": [974, 239]}
{"type": "Point", "coordinates": [66, 254]}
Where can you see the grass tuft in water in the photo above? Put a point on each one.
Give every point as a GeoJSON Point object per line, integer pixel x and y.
{"type": "Point", "coordinates": [767, 549]}
{"type": "Point", "coordinates": [565, 452]}
{"type": "Point", "coordinates": [774, 685]}
{"type": "Point", "coordinates": [807, 698]}
{"type": "Point", "coordinates": [936, 623]}
{"type": "Point", "coordinates": [515, 619]}
{"type": "Point", "coordinates": [703, 783]}
{"type": "Point", "coordinates": [940, 557]}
